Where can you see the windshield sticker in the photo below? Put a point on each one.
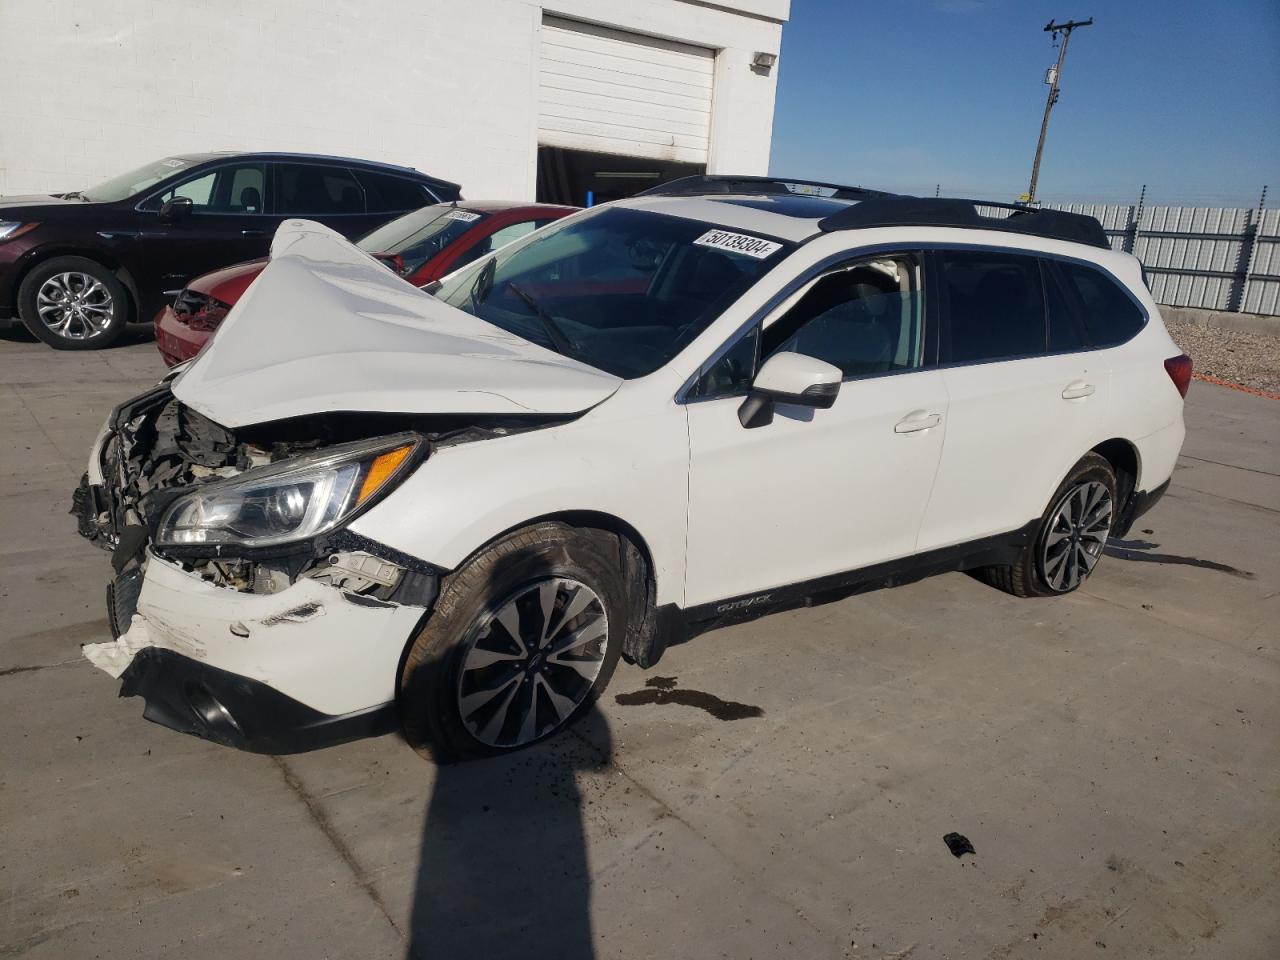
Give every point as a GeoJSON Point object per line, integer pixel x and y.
{"type": "Point", "coordinates": [464, 215]}
{"type": "Point", "coordinates": [173, 163]}
{"type": "Point", "coordinates": [738, 243]}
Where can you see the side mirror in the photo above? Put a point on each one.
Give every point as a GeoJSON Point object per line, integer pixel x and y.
{"type": "Point", "coordinates": [175, 209]}
{"type": "Point", "coordinates": [789, 378]}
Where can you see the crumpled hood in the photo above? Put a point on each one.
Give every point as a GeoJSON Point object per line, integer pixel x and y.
{"type": "Point", "coordinates": [328, 328]}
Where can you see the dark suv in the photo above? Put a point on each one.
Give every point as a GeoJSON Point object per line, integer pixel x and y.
{"type": "Point", "coordinates": [77, 267]}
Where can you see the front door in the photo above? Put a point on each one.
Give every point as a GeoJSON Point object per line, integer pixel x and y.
{"type": "Point", "coordinates": [228, 224]}
{"type": "Point", "coordinates": [817, 492]}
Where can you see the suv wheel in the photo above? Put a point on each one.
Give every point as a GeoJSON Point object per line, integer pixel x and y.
{"type": "Point", "coordinates": [521, 642]}
{"type": "Point", "coordinates": [1071, 537]}
{"type": "Point", "coordinates": [72, 303]}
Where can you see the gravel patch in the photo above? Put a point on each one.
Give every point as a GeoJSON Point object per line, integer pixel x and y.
{"type": "Point", "coordinates": [1249, 359]}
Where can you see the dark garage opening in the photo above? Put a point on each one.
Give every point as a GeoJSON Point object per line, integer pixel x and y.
{"type": "Point", "coordinates": [582, 179]}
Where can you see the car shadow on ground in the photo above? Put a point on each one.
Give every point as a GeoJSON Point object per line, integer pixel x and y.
{"type": "Point", "coordinates": [503, 870]}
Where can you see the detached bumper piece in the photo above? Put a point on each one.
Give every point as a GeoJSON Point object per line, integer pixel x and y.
{"type": "Point", "coordinates": [192, 697]}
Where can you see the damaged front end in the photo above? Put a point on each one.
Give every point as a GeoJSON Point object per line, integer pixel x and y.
{"type": "Point", "coordinates": [242, 608]}
{"type": "Point", "coordinates": [156, 450]}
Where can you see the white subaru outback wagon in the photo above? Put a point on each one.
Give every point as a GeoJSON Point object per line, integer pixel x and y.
{"type": "Point", "coordinates": [365, 506]}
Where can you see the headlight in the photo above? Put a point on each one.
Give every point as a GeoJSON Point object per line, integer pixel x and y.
{"type": "Point", "coordinates": [9, 229]}
{"type": "Point", "coordinates": [292, 500]}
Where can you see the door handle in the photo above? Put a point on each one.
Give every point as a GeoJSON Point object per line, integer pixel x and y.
{"type": "Point", "coordinates": [251, 233]}
{"type": "Point", "coordinates": [1078, 390]}
{"type": "Point", "coordinates": [916, 421]}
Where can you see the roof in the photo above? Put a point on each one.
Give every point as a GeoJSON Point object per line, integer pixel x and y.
{"type": "Point", "coordinates": [796, 210]}
{"type": "Point", "coordinates": [205, 157]}
{"type": "Point", "coordinates": [501, 206]}
{"type": "Point", "coordinates": [769, 216]}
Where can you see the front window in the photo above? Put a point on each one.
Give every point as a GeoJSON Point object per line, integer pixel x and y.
{"type": "Point", "coordinates": [864, 317]}
{"type": "Point", "coordinates": [136, 181]}
{"type": "Point", "coordinates": [410, 241]}
{"type": "Point", "coordinates": [231, 188]}
{"type": "Point", "coordinates": [623, 290]}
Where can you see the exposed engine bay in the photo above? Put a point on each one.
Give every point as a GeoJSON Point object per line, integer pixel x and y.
{"type": "Point", "coordinates": [156, 449]}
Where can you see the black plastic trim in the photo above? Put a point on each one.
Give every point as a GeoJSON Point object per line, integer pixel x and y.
{"type": "Point", "coordinates": [900, 211]}
{"type": "Point", "coordinates": [990, 551]}
{"type": "Point", "coordinates": [713, 184]}
{"type": "Point", "coordinates": [192, 697]}
{"type": "Point", "coordinates": [1141, 502]}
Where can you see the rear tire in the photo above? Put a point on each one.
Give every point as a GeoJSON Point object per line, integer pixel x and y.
{"type": "Point", "coordinates": [1070, 538]}
{"type": "Point", "coordinates": [73, 303]}
{"type": "Point", "coordinates": [522, 640]}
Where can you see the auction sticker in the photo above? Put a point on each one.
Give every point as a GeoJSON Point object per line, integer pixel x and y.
{"type": "Point", "coordinates": [738, 243]}
{"type": "Point", "coordinates": [464, 215]}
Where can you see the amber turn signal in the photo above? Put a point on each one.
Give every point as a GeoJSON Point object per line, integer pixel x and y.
{"type": "Point", "coordinates": [381, 470]}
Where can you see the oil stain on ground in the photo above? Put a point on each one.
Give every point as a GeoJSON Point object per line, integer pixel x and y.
{"type": "Point", "coordinates": [663, 690]}
{"type": "Point", "coordinates": [1139, 551]}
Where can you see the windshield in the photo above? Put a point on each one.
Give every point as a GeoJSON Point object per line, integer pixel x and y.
{"type": "Point", "coordinates": [622, 289]}
{"type": "Point", "coordinates": [416, 237]}
{"type": "Point", "coordinates": [135, 181]}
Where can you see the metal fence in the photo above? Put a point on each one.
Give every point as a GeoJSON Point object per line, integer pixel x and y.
{"type": "Point", "coordinates": [1218, 258]}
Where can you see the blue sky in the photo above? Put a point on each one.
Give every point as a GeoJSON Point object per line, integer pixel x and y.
{"type": "Point", "coordinates": [903, 94]}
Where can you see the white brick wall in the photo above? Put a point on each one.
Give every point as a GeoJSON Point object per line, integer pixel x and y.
{"type": "Point", "coordinates": [91, 88]}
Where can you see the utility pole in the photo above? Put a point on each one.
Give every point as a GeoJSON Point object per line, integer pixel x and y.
{"type": "Point", "coordinates": [1053, 78]}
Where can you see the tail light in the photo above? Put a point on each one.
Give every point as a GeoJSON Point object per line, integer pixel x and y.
{"type": "Point", "coordinates": [1179, 370]}
{"type": "Point", "coordinates": [199, 311]}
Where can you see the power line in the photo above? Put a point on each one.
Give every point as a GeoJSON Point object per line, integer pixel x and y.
{"type": "Point", "coordinates": [1053, 78]}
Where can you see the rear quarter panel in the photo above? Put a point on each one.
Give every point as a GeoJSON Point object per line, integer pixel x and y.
{"type": "Point", "coordinates": [1146, 408]}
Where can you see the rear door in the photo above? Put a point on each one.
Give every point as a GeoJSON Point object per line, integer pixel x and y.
{"type": "Point", "coordinates": [817, 492]}
{"type": "Point", "coordinates": [1028, 398]}
{"type": "Point", "coordinates": [327, 193]}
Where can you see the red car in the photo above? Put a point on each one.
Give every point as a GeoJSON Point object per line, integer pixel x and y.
{"type": "Point", "coordinates": [421, 246]}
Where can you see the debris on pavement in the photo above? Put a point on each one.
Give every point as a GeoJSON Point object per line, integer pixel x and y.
{"type": "Point", "coordinates": [958, 844]}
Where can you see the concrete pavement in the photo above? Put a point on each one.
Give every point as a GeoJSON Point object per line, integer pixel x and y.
{"type": "Point", "coordinates": [1112, 756]}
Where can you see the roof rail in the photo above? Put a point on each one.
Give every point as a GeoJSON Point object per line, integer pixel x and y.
{"type": "Point", "coordinates": [723, 183]}
{"type": "Point", "coordinates": [901, 211]}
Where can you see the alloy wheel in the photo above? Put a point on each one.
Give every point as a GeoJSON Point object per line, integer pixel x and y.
{"type": "Point", "coordinates": [75, 306]}
{"type": "Point", "coordinates": [1076, 535]}
{"type": "Point", "coordinates": [532, 661]}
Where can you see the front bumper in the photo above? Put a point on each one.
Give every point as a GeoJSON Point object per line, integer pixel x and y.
{"type": "Point", "coordinates": [236, 711]}
{"type": "Point", "coordinates": [308, 665]}
{"type": "Point", "coordinates": [176, 341]}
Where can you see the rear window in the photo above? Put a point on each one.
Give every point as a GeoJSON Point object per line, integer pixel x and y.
{"type": "Point", "coordinates": [1066, 327]}
{"type": "Point", "coordinates": [305, 188]}
{"type": "Point", "coordinates": [1109, 312]}
{"type": "Point", "coordinates": [387, 193]}
{"type": "Point", "coordinates": [995, 306]}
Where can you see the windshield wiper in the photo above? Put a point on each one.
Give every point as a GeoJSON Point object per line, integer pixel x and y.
{"type": "Point", "coordinates": [75, 195]}
{"type": "Point", "coordinates": [483, 285]}
{"type": "Point", "coordinates": [558, 337]}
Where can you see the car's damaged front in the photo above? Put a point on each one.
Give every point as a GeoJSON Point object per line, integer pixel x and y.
{"type": "Point", "coordinates": [243, 607]}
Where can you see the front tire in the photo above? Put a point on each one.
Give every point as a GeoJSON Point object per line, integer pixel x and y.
{"type": "Point", "coordinates": [522, 640]}
{"type": "Point", "coordinates": [73, 303]}
{"type": "Point", "coordinates": [1071, 537]}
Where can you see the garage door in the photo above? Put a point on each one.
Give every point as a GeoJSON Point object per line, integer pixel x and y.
{"type": "Point", "coordinates": [610, 91]}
